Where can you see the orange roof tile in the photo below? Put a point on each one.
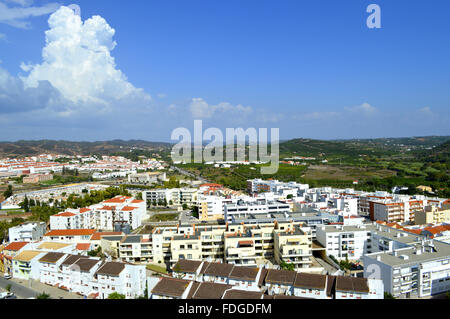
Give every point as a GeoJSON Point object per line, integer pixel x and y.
{"type": "Point", "coordinates": [82, 246]}
{"type": "Point", "coordinates": [98, 235]}
{"type": "Point", "coordinates": [65, 214]}
{"type": "Point", "coordinates": [128, 208]}
{"type": "Point", "coordinates": [16, 245]}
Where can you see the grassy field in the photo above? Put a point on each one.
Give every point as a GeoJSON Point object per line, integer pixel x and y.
{"type": "Point", "coordinates": [158, 269]}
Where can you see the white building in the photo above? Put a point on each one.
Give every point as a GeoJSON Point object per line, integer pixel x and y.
{"type": "Point", "coordinates": [31, 231]}
{"type": "Point", "coordinates": [344, 242]}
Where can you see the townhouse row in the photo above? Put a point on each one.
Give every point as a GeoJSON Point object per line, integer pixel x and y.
{"type": "Point", "coordinates": [205, 280]}
{"type": "Point", "coordinates": [86, 276]}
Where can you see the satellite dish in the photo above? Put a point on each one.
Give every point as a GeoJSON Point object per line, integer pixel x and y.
{"type": "Point", "coordinates": [76, 8]}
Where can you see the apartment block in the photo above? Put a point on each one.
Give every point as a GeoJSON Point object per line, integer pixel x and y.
{"type": "Point", "coordinates": [105, 215]}
{"type": "Point", "coordinates": [345, 242]}
{"type": "Point", "coordinates": [432, 215]}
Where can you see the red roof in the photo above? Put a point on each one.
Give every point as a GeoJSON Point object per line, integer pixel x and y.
{"type": "Point", "coordinates": [16, 245]}
{"type": "Point", "coordinates": [84, 210]}
{"type": "Point", "coordinates": [98, 236]}
{"type": "Point", "coordinates": [128, 208]}
{"type": "Point", "coordinates": [81, 246]}
{"type": "Point", "coordinates": [107, 208]}
{"type": "Point", "coordinates": [65, 214]}
{"type": "Point", "coordinates": [137, 201]}
{"type": "Point", "coordinates": [71, 232]}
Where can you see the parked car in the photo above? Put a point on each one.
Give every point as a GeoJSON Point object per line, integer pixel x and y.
{"type": "Point", "coordinates": [7, 276]}
{"type": "Point", "coordinates": [7, 295]}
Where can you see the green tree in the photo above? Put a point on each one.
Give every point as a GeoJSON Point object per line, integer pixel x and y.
{"type": "Point", "coordinates": [284, 265]}
{"type": "Point", "coordinates": [43, 296]}
{"type": "Point", "coordinates": [8, 288]}
{"type": "Point", "coordinates": [388, 296]}
{"type": "Point", "coordinates": [116, 295]}
{"type": "Point", "coordinates": [8, 192]}
{"type": "Point", "coordinates": [26, 204]}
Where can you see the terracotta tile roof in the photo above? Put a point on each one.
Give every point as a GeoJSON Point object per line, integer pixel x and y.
{"type": "Point", "coordinates": [16, 245]}
{"type": "Point", "coordinates": [99, 235]}
{"type": "Point", "coordinates": [128, 208]}
{"type": "Point", "coordinates": [65, 214]}
{"type": "Point", "coordinates": [71, 232]}
{"type": "Point", "coordinates": [83, 246]}
{"type": "Point", "coordinates": [137, 201]}
{"type": "Point", "coordinates": [84, 210]}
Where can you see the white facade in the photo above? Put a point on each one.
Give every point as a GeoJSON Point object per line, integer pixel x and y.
{"type": "Point", "coordinates": [27, 232]}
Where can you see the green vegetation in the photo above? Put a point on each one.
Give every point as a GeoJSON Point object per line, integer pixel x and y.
{"type": "Point", "coordinates": [388, 296]}
{"type": "Point", "coordinates": [8, 192]}
{"type": "Point", "coordinates": [43, 296]}
{"type": "Point", "coordinates": [4, 226]}
{"type": "Point", "coordinates": [286, 266]}
{"type": "Point", "coordinates": [158, 269]}
{"type": "Point", "coordinates": [116, 295]}
{"type": "Point", "coordinates": [164, 217]}
{"type": "Point", "coordinates": [96, 252]}
{"type": "Point", "coordinates": [8, 288]}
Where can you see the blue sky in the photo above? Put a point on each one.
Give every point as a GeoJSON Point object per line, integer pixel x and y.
{"type": "Point", "coordinates": [311, 68]}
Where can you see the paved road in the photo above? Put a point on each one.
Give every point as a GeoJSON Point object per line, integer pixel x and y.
{"type": "Point", "coordinates": [17, 289]}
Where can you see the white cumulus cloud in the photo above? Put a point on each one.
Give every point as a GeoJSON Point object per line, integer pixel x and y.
{"type": "Point", "coordinates": [364, 108]}
{"type": "Point", "coordinates": [77, 61]}
{"type": "Point", "coordinates": [200, 109]}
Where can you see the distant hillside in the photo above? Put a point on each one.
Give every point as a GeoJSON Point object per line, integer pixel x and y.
{"type": "Point", "coordinates": [30, 148]}
{"type": "Point", "coordinates": [356, 147]}
{"type": "Point", "coordinates": [440, 153]}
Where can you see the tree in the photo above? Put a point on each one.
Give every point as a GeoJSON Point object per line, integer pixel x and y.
{"type": "Point", "coordinates": [43, 296]}
{"type": "Point", "coordinates": [185, 206]}
{"type": "Point", "coordinates": [8, 288]}
{"type": "Point", "coordinates": [284, 265]}
{"type": "Point", "coordinates": [26, 204]}
{"type": "Point", "coordinates": [116, 295]}
{"type": "Point", "coordinates": [388, 296]}
{"type": "Point", "coordinates": [8, 192]}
